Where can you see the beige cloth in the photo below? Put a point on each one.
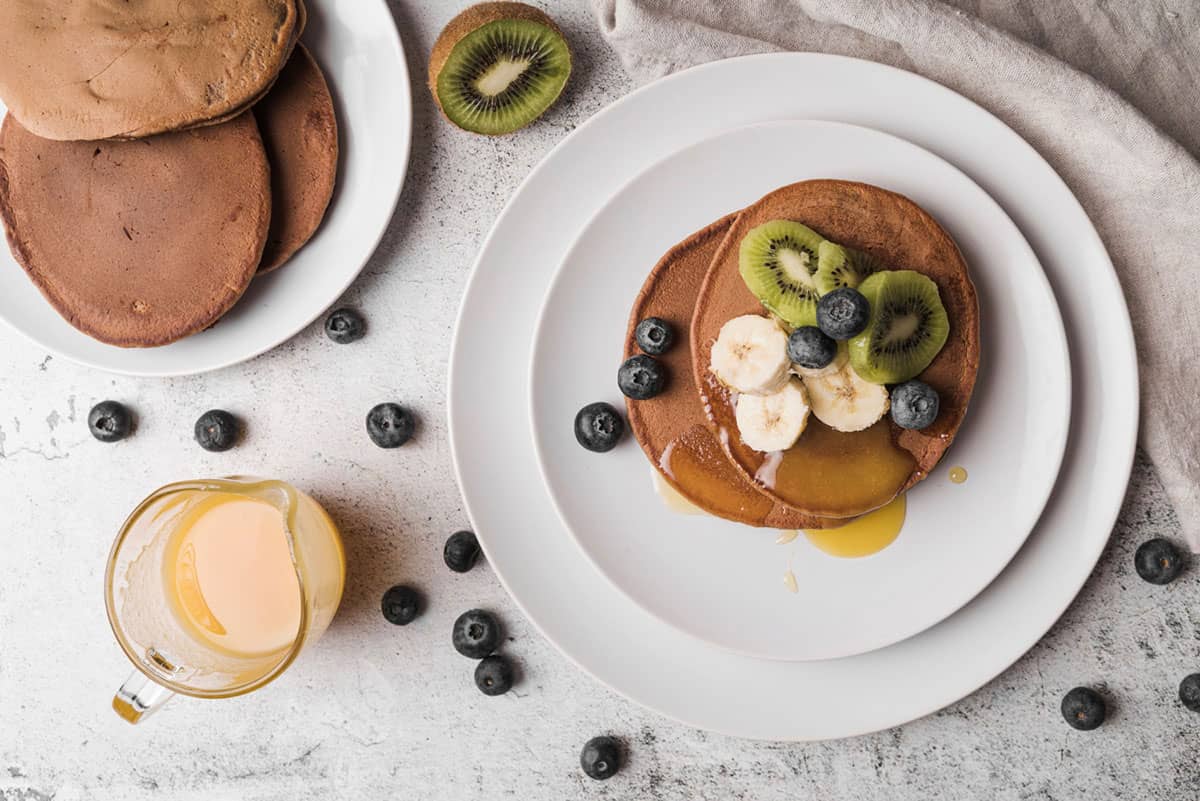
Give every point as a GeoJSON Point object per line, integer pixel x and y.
{"type": "Point", "coordinates": [1139, 185]}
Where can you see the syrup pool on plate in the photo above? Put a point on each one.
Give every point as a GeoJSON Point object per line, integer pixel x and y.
{"type": "Point", "coordinates": [863, 536]}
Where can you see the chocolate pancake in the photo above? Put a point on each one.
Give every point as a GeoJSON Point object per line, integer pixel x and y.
{"type": "Point", "coordinates": [672, 428]}
{"type": "Point", "coordinates": [299, 131]}
{"type": "Point", "coordinates": [829, 473]}
{"type": "Point", "coordinates": [138, 243]}
{"type": "Point", "coordinates": [97, 70]}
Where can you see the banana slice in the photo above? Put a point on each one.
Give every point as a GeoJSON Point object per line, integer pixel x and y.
{"type": "Point", "coordinates": [839, 361]}
{"type": "Point", "coordinates": [750, 355]}
{"type": "Point", "coordinates": [845, 402]}
{"type": "Point", "coordinates": [773, 422]}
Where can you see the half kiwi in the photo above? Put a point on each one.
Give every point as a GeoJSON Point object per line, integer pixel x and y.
{"type": "Point", "coordinates": [497, 67]}
{"type": "Point", "coordinates": [778, 262]}
{"type": "Point", "coordinates": [907, 329]}
{"type": "Point", "coordinates": [839, 266]}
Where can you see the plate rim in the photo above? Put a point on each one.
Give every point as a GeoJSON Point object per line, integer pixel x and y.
{"type": "Point", "coordinates": [1062, 429]}
{"type": "Point", "coordinates": [1123, 452]}
{"type": "Point", "coordinates": [404, 152]}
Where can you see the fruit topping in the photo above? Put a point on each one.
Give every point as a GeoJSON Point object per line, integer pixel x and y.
{"type": "Point", "coordinates": [778, 262]}
{"type": "Point", "coordinates": [843, 313]}
{"type": "Point", "coordinates": [642, 377]}
{"type": "Point", "coordinates": [906, 330]}
{"type": "Point", "coordinates": [773, 422]}
{"type": "Point", "coordinates": [914, 404]}
{"type": "Point", "coordinates": [750, 355]}
{"type": "Point", "coordinates": [808, 347]}
{"type": "Point", "coordinates": [844, 401]}
{"type": "Point", "coordinates": [839, 266]}
{"type": "Point", "coordinates": [598, 427]}
{"type": "Point", "coordinates": [389, 425]}
{"type": "Point", "coordinates": [654, 335]}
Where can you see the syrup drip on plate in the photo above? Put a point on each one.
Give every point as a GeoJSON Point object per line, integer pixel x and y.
{"type": "Point", "coordinates": [864, 536]}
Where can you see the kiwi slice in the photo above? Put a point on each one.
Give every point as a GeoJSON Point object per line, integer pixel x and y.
{"type": "Point", "coordinates": [778, 262]}
{"type": "Point", "coordinates": [497, 67]}
{"type": "Point", "coordinates": [839, 266]}
{"type": "Point", "coordinates": [908, 327]}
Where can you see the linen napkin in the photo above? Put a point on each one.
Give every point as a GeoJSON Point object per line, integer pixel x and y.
{"type": "Point", "coordinates": [1140, 186]}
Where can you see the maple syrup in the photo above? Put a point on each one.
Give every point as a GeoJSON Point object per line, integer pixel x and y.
{"type": "Point", "coordinates": [863, 536]}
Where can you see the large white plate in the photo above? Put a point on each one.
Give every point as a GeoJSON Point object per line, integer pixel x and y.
{"type": "Point", "coordinates": [722, 581]}
{"type": "Point", "coordinates": [358, 48]}
{"type": "Point", "coordinates": [604, 631]}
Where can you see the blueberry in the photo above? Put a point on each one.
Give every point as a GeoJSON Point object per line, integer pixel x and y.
{"type": "Point", "coordinates": [1189, 691]}
{"type": "Point", "coordinates": [401, 605]}
{"type": "Point", "coordinates": [1083, 708]}
{"type": "Point", "coordinates": [642, 377]}
{"type": "Point", "coordinates": [344, 326]}
{"type": "Point", "coordinates": [843, 313]}
{"type": "Point", "coordinates": [809, 347]}
{"type": "Point", "coordinates": [217, 430]}
{"type": "Point", "coordinates": [389, 425]}
{"type": "Point", "coordinates": [1158, 561]}
{"type": "Point", "coordinates": [494, 675]}
{"type": "Point", "coordinates": [476, 634]}
{"type": "Point", "coordinates": [598, 427]}
{"type": "Point", "coordinates": [654, 335]}
{"type": "Point", "coordinates": [601, 757]}
{"type": "Point", "coordinates": [109, 421]}
{"type": "Point", "coordinates": [915, 404]}
{"type": "Point", "coordinates": [461, 551]}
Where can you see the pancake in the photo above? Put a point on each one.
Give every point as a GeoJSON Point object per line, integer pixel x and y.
{"type": "Point", "coordinates": [97, 70]}
{"type": "Point", "coordinates": [300, 134]}
{"type": "Point", "coordinates": [671, 427]}
{"type": "Point", "coordinates": [828, 473]}
{"type": "Point", "coordinates": [138, 243]}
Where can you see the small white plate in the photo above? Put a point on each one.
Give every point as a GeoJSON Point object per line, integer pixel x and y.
{"type": "Point", "coordinates": [600, 628]}
{"type": "Point", "coordinates": [720, 581]}
{"type": "Point", "coordinates": [360, 52]}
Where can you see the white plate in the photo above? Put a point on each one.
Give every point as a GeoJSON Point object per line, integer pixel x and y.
{"type": "Point", "coordinates": [359, 50]}
{"type": "Point", "coordinates": [722, 581]}
{"type": "Point", "coordinates": [604, 631]}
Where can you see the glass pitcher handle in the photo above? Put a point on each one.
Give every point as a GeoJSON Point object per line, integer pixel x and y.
{"type": "Point", "coordinates": [138, 697]}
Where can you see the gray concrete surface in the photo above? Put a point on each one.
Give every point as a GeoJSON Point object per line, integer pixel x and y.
{"type": "Point", "coordinates": [376, 711]}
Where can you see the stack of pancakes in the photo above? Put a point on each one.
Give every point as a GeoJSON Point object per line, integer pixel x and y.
{"type": "Point", "coordinates": [158, 154]}
{"type": "Point", "coordinates": [689, 432]}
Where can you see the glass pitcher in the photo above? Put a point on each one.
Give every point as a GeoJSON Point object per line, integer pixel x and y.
{"type": "Point", "coordinates": [186, 638]}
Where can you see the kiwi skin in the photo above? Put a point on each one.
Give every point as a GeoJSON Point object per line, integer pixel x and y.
{"type": "Point", "coordinates": [476, 17]}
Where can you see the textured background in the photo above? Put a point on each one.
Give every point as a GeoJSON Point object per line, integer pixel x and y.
{"type": "Point", "coordinates": [377, 710]}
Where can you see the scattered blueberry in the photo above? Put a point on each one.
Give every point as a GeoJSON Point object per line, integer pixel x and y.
{"type": "Point", "coordinates": [389, 425]}
{"type": "Point", "coordinates": [109, 421]}
{"type": "Point", "coordinates": [642, 377]}
{"type": "Point", "coordinates": [654, 335]}
{"type": "Point", "coordinates": [1158, 561]}
{"type": "Point", "coordinates": [1083, 708]}
{"type": "Point", "coordinates": [598, 427]}
{"type": "Point", "coordinates": [217, 430]}
{"type": "Point", "coordinates": [809, 347]}
{"type": "Point", "coordinates": [915, 405]}
{"type": "Point", "coordinates": [1189, 691]}
{"type": "Point", "coordinates": [494, 675]}
{"type": "Point", "coordinates": [344, 326]}
{"type": "Point", "coordinates": [401, 605]}
{"type": "Point", "coordinates": [476, 634]}
{"type": "Point", "coordinates": [601, 757]}
{"type": "Point", "coordinates": [461, 551]}
{"type": "Point", "coordinates": [843, 313]}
